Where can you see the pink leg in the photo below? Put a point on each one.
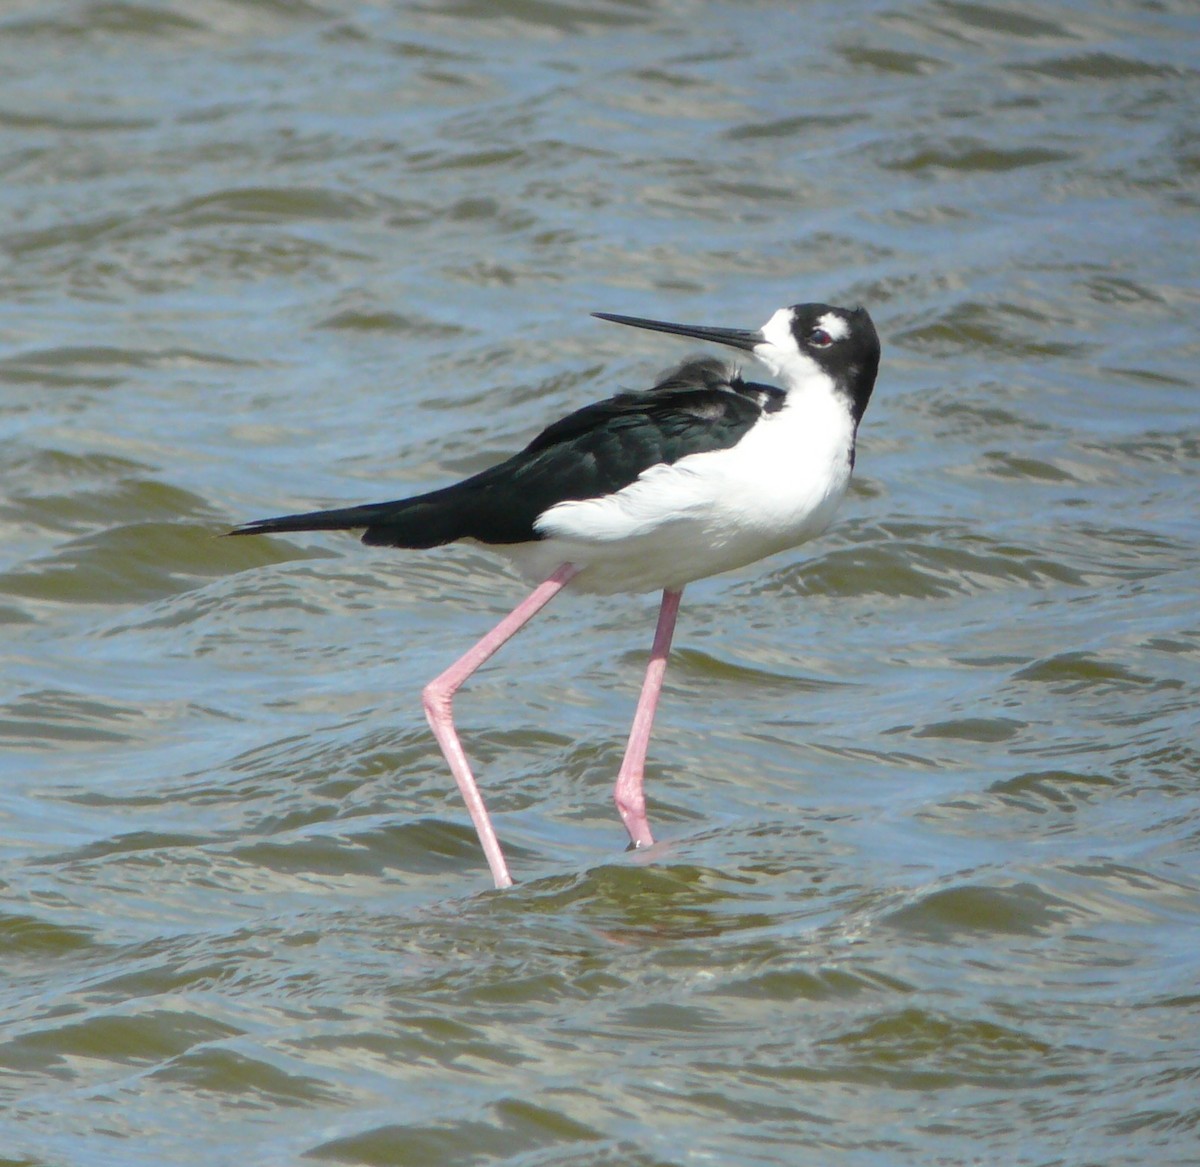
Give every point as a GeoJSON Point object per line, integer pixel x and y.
{"type": "Point", "coordinates": [629, 795]}
{"type": "Point", "coordinates": [439, 695]}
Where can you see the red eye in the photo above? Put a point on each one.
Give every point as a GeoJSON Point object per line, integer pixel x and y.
{"type": "Point", "coordinates": [819, 338]}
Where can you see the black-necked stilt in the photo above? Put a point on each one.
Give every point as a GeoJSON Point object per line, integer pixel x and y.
{"type": "Point", "coordinates": [647, 491]}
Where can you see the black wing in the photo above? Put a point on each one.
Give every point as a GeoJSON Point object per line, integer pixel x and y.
{"type": "Point", "coordinates": [700, 406]}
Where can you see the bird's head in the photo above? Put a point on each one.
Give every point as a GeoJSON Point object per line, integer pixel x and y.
{"type": "Point", "coordinates": [838, 346]}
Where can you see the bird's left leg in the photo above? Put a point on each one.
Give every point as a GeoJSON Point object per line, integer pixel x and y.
{"type": "Point", "coordinates": [439, 695]}
{"type": "Point", "coordinates": [628, 794]}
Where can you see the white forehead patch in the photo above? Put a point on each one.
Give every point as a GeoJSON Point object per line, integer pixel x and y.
{"type": "Point", "coordinates": [778, 330]}
{"type": "Point", "coordinates": [835, 325]}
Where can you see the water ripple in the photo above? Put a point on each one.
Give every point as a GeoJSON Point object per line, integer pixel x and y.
{"type": "Point", "coordinates": [924, 791]}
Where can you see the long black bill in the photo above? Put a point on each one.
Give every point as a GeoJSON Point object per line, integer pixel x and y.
{"type": "Point", "coordinates": [743, 338]}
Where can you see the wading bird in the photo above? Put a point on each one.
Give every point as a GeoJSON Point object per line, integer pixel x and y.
{"type": "Point", "coordinates": [704, 473]}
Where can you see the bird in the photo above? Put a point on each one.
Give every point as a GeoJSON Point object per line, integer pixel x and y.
{"type": "Point", "coordinates": [648, 490]}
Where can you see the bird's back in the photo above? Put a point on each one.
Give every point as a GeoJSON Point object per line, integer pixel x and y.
{"type": "Point", "coordinates": [595, 452]}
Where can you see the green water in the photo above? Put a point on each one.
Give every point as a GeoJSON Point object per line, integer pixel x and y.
{"type": "Point", "coordinates": [927, 791]}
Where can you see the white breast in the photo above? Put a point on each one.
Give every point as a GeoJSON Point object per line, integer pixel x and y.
{"type": "Point", "coordinates": [710, 512]}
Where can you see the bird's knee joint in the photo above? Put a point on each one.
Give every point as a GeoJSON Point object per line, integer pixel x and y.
{"type": "Point", "coordinates": [436, 699]}
{"type": "Point", "coordinates": [629, 807]}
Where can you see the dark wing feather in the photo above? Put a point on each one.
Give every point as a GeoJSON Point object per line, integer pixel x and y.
{"type": "Point", "coordinates": [597, 450]}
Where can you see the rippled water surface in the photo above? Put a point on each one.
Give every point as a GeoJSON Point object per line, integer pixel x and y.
{"type": "Point", "coordinates": [927, 790]}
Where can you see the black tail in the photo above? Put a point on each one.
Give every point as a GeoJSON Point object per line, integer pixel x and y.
{"type": "Point", "coordinates": [428, 520]}
{"type": "Point", "coordinates": [500, 505]}
{"type": "Point", "coordinates": [345, 519]}
{"type": "Point", "coordinates": [409, 522]}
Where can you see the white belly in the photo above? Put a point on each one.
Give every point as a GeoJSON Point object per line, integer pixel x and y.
{"type": "Point", "coordinates": [705, 514]}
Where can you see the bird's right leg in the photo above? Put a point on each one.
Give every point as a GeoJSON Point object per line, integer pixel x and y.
{"type": "Point", "coordinates": [629, 794]}
{"type": "Point", "coordinates": [438, 697]}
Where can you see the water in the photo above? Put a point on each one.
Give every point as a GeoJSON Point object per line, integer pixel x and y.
{"type": "Point", "coordinates": [927, 791]}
